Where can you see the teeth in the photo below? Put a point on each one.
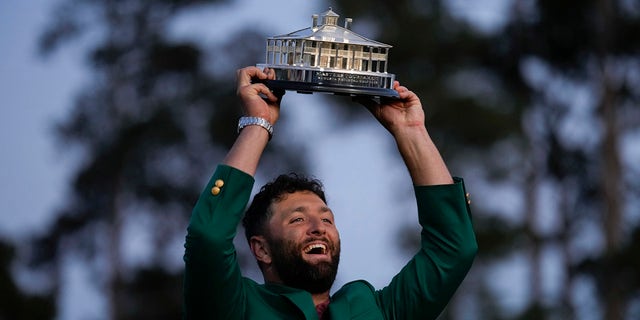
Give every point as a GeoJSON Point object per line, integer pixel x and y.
{"type": "Point", "coordinates": [320, 246]}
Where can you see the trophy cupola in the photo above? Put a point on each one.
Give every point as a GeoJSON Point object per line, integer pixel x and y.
{"type": "Point", "coordinates": [330, 18]}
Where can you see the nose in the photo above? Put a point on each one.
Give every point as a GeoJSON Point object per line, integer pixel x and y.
{"type": "Point", "coordinates": [317, 227]}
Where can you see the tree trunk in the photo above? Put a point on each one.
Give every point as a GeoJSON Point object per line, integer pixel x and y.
{"type": "Point", "coordinates": [612, 197]}
{"type": "Point", "coordinates": [611, 170]}
{"type": "Point", "coordinates": [531, 209]}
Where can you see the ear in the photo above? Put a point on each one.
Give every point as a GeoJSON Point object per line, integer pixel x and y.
{"type": "Point", "coordinates": [260, 249]}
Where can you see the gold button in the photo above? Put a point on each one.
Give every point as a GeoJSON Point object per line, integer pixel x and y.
{"type": "Point", "coordinates": [468, 198]}
{"type": "Point", "coordinates": [219, 183]}
{"type": "Point", "coordinates": [215, 191]}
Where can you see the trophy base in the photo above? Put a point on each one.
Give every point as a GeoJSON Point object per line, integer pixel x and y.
{"type": "Point", "coordinates": [308, 88]}
{"type": "Point", "coordinates": [340, 82]}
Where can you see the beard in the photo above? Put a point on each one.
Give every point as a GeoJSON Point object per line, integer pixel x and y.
{"type": "Point", "coordinates": [296, 272]}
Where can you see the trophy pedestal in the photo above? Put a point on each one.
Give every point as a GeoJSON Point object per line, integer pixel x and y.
{"type": "Point", "coordinates": [339, 82]}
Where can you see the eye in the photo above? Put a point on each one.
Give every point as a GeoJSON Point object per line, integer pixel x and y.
{"type": "Point", "coordinates": [327, 220]}
{"type": "Point", "coordinates": [294, 220]}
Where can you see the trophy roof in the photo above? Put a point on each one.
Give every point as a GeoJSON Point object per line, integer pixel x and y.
{"type": "Point", "coordinates": [330, 13]}
{"type": "Point", "coordinates": [329, 31]}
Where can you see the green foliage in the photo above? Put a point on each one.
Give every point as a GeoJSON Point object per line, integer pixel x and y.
{"type": "Point", "coordinates": [154, 118]}
{"type": "Point", "coordinates": [479, 93]}
{"type": "Point", "coordinates": [150, 126]}
{"type": "Point", "coordinates": [152, 294]}
{"type": "Point", "coordinates": [14, 304]}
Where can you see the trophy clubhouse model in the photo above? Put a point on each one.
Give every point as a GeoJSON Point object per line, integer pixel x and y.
{"type": "Point", "coordinates": [328, 58]}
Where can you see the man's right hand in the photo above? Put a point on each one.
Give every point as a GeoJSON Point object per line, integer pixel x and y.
{"type": "Point", "coordinates": [256, 98]}
{"type": "Point", "coordinates": [257, 101]}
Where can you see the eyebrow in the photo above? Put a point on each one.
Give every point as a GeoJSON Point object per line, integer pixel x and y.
{"type": "Point", "coordinates": [323, 209]}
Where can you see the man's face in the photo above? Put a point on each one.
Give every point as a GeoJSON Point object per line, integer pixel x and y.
{"type": "Point", "coordinates": [304, 242]}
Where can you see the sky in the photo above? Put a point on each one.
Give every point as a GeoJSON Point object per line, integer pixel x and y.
{"type": "Point", "coordinates": [34, 93]}
{"type": "Point", "coordinates": [361, 180]}
{"type": "Point", "coordinates": [362, 176]}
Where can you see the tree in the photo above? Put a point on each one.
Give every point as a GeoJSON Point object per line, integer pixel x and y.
{"type": "Point", "coordinates": [503, 100]}
{"type": "Point", "coordinates": [15, 304]}
{"type": "Point", "coordinates": [150, 126]}
{"type": "Point", "coordinates": [504, 106]}
{"type": "Point", "coordinates": [590, 46]}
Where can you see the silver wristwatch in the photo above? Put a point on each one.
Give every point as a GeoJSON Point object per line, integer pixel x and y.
{"type": "Point", "coordinates": [255, 121]}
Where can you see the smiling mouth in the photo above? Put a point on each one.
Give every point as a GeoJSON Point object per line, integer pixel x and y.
{"type": "Point", "coordinates": [315, 248]}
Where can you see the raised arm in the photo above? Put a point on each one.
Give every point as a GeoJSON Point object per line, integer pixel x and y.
{"type": "Point", "coordinates": [404, 119]}
{"type": "Point", "coordinates": [425, 285]}
{"type": "Point", "coordinates": [257, 101]}
{"type": "Point", "coordinates": [213, 281]}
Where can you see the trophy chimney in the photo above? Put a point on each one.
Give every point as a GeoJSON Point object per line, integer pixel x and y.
{"type": "Point", "coordinates": [347, 23]}
{"type": "Point", "coordinates": [314, 19]}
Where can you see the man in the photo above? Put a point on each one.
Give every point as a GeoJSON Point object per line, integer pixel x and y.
{"type": "Point", "coordinates": [292, 234]}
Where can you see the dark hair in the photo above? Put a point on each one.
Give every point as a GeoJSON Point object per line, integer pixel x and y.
{"type": "Point", "coordinates": [258, 213]}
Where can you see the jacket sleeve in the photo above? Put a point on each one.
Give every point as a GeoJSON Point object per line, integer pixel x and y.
{"type": "Point", "coordinates": [448, 246]}
{"type": "Point", "coordinates": [212, 274]}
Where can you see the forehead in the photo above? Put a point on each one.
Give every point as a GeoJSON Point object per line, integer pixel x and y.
{"type": "Point", "coordinates": [296, 201]}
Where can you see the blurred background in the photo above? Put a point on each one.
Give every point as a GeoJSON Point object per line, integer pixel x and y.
{"type": "Point", "coordinates": [115, 113]}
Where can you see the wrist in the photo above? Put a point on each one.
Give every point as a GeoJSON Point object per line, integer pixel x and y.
{"type": "Point", "coordinates": [255, 121]}
{"type": "Point", "coordinates": [417, 129]}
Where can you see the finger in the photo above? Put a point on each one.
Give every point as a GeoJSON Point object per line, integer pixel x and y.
{"type": "Point", "coordinates": [400, 89]}
{"type": "Point", "coordinates": [271, 73]}
{"type": "Point", "coordinates": [409, 98]}
{"type": "Point", "coordinates": [404, 94]}
{"type": "Point", "coordinates": [245, 75]}
{"type": "Point", "coordinates": [252, 90]}
{"type": "Point", "coordinates": [261, 88]}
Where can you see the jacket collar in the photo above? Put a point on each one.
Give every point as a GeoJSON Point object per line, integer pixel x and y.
{"type": "Point", "coordinates": [300, 298]}
{"type": "Point", "coordinates": [338, 308]}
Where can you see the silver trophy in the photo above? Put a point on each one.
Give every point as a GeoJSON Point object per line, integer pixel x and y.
{"type": "Point", "coordinates": [328, 58]}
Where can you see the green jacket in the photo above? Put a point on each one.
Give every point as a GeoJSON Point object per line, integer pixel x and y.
{"type": "Point", "coordinates": [215, 289]}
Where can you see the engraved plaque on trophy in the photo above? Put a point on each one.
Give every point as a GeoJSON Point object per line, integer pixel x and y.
{"type": "Point", "coordinates": [329, 58]}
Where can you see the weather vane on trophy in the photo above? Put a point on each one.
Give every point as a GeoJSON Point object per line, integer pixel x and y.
{"type": "Point", "coordinates": [329, 58]}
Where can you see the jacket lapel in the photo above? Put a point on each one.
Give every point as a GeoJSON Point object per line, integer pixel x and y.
{"type": "Point", "coordinates": [299, 298]}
